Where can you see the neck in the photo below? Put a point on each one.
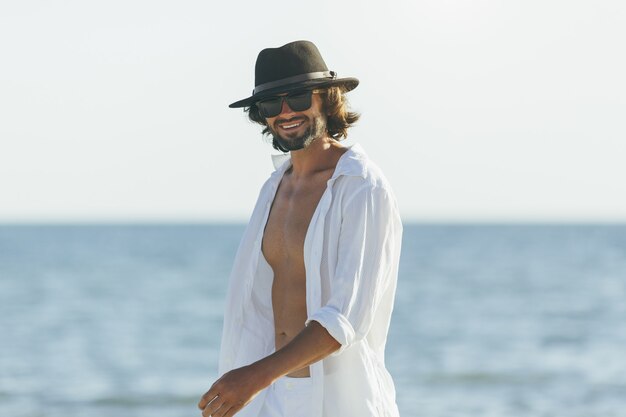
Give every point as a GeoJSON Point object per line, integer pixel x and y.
{"type": "Point", "coordinates": [322, 154]}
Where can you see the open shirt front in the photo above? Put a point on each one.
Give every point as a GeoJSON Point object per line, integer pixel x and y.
{"type": "Point", "coordinates": [351, 255]}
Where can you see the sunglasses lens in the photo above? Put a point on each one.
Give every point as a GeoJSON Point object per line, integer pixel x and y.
{"type": "Point", "coordinates": [270, 107]}
{"type": "Point", "coordinates": [299, 101]}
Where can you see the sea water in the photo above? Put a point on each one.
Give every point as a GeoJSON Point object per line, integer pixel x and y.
{"type": "Point", "coordinates": [490, 320]}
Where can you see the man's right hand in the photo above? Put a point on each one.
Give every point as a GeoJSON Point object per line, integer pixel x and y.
{"type": "Point", "coordinates": [232, 391]}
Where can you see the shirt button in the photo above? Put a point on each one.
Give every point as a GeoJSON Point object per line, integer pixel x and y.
{"type": "Point", "coordinates": [289, 384]}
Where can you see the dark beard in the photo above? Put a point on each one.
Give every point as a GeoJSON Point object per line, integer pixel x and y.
{"type": "Point", "coordinates": [315, 130]}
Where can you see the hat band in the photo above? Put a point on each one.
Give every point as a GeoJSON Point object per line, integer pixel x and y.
{"type": "Point", "coordinates": [294, 79]}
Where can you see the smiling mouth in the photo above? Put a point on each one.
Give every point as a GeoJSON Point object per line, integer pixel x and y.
{"type": "Point", "coordinates": [291, 124]}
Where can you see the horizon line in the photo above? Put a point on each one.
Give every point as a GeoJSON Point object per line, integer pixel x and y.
{"type": "Point", "coordinates": [234, 222]}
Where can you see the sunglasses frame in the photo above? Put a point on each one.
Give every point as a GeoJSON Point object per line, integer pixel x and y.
{"type": "Point", "coordinates": [286, 97]}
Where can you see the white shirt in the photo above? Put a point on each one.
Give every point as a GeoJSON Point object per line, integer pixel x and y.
{"type": "Point", "coordinates": [351, 256]}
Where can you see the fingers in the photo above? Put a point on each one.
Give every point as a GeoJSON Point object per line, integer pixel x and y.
{"type": "Point", "coordinates": [207, 397]}
{"type": "Point", "coordinates": [231, 411]}
{"type": "Point", "coordinates": [220, 408]}
{"type": "Point", "coordinates": [216, 407]}
{"type": "Point", "coordinates": [223, 411]}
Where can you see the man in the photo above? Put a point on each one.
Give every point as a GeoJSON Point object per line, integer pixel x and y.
{"type": "Point", "coordinates": [312, 288]}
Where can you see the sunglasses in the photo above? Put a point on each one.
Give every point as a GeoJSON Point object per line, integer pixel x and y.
{"type": "Point", "coordinates": [298, 101]}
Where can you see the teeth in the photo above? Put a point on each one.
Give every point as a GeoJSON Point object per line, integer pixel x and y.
{"type": "Point", "coordinates": [290, 126]}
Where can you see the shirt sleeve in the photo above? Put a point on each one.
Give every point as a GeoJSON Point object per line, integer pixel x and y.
{"type": "Point", "coordinates": [368, 247]}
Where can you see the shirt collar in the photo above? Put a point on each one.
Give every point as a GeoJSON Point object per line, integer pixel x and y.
{"type": "Point", "coordinates": [351, 163]}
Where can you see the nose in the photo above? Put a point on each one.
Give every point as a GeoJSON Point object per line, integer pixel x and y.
{"type": "Point", "coordinates": [285, 107]}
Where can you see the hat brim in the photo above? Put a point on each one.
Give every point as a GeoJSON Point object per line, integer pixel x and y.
{"type": "Point", "coordinates": [349, 83]}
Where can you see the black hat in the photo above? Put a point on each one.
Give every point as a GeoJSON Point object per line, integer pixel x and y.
{"type": "Point", "coordinates": [291, 67]}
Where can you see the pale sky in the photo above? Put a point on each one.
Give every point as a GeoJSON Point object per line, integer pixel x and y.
{"type": "Point", "coordinates": [475, 110]}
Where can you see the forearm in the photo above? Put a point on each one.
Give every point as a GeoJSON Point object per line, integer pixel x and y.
{"type": "Point", "coordinates": [312, 344]}
{"type": "Point", "coordinates": [237, 387]}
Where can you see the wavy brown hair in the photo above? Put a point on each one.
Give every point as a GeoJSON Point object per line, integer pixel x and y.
{"type": "Point", "coordinates": [334, 104]}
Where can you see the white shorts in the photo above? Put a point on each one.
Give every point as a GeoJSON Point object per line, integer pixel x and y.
{"type": "Point", "coordinates": [288, 397]}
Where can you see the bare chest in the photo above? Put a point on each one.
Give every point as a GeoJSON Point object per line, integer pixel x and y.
{"type": "Point", "coordinates": [289, 219]}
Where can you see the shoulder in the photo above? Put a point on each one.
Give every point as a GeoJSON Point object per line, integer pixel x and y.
{"type": "Point", "coordinates": [362, 185]}
{"type": "Point", "coordinates": [357, 173]}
